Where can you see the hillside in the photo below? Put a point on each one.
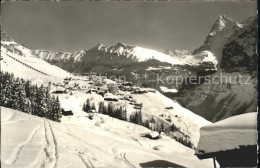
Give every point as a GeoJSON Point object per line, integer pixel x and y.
{"type": "Point", "coordinates": [21, 61]}
{"type": "Point", "coordinates": [67, 145]}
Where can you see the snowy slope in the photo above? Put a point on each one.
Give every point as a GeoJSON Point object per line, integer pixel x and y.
{"type": "Point", "coordinates": [30, 141]}
{"type": "Point", "coordinates": [231, 133]}
{"type": "Point", "coordinates": [154, 105]}
{"type": "Point", "coordinates": [21, 61]}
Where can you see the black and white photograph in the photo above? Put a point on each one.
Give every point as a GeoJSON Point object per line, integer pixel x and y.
{"type": "Point", "coordinates": [129, 84]}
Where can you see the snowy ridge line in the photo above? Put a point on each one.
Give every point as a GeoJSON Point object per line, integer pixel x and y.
{"type": "Point", "coordinates": [19, 147]}
{"type": "Point", "coordinates": [27, 65]}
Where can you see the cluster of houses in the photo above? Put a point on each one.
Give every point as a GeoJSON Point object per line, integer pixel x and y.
{"type": "Point", "coordinates": [91, 83]}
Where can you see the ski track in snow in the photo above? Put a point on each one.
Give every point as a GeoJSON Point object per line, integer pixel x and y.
{"type": "Point", "coordinates": [15, 154]}
{"type": "Point", "coordinates": [50, 149]}
{"type": "Point", "coordinates": [55, 150]}
{"type": "Point", "coordinates": [123, 157]}
{"type": "Point", "coordinates": [87, 163]}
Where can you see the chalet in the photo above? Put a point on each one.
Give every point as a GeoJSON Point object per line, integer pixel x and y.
{"type": "Point", "coordinates": [120, 93]}
{"type": "Point", "coordinates": [127, 98]}
{"type": "Point", "coordinates": [138, 107]}
{"type": "Point", "coordinates": [231, 142]}
{"type": "Point", "coordinates": [59, 90]}
{"type": "Point", "coordinates": [152, 135]}
{"type": "Point", "coordinates": [126, 88]}
{"type": "Point", "coordinates": [139, 104]}
{"type": "Point", "coordinates": [110, 97]}
{"type": "Point", "coordinates": [66, 111]}
{"type": "Point", "coordinates": [140, 91]}
{"type": "Point", "coordinates": [93, 111]}
{"type": "Point", "coordinates": [152, 90]}
{"type": "Point", "coordinates": [169, 108]}
{"type": "Point", "coordinates": [92, 91]}
{"type": "Point", "coordinates": [132, 100]}
{"type": "Point", "coordinates": [127, 84]}
{"type": "Point", "coordinates": [102, 92]}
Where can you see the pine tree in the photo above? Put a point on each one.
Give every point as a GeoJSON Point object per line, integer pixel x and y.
{"type": "Point", "coordinates": [101, 107]}
{"type": "Point", "coordinates": [105, 110]}
{"type": "Point", "coordinates": [87, 108]}
{"type": "Point", "coordinates": [93, 107]}
{"type": "Point", "coordinates": [162, 127]}
{"type": "Point", "coordinates": [147, 124]}
{"type": "Point", "coordinates": [48, 103]}
{"type": "Point", "coordinates": [22, 95]}
{"type": "Point", "coordinates": [158, 128]}
{"type": "Point", "coordinates": [140, 118]}
{"type": "Point", "coordinates": [28, 88]}
{"type": "Point", "coordinates": [84, 107]}
{"type": "Point", "coordinates": [123, 114]}
{"type": "Point", "coordinates": [58, 110]}
{"type": "Point", "coordinates": [6, 89]}
{"type": "Point", "coordinates": [110, 109]}
{"type": "Point", "coordinates": [15, 94]}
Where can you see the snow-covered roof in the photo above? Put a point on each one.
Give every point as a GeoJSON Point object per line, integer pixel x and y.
{"type": "Point", "coordinates": [154, 134]}
{"type": "Point", "coordinates": [228, 134]}
{"type": "Point", "coordinates": [110, 96]}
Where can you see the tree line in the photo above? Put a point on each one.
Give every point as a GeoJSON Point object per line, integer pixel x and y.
{"type": "Point", "coordinates": [18, 94]}
{"type": "Point", "coordinates": [110, 110]}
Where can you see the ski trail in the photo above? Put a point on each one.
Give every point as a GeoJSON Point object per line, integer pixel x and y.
{"type": "Point", "coordinates": [54, 158]}
{"type": "Point", "coordinates": [123, 157]}
{"type": "Point", "coordinates": [88, 163]}
{"type": "Point", "coordinates": [46, 148]}
{"type": "Point", "coordinates": [15, 154]}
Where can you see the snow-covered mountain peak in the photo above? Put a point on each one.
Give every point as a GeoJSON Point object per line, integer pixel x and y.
{"type": "Point", "coordinates": [221, 23]}
{"type": "Point", "coordinates": [99, 46]}
{"type": "Point", "coordinates": [224, 30]}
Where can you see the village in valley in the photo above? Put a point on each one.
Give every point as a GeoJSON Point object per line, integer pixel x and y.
{"type": "Point", "coordinates": [120, 99]}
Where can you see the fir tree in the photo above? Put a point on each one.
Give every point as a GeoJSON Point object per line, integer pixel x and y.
{"type": "Point", "coordinates": [110, 109]}
{"type": "Point", "coordinates": [87, 107]}
{"type": "Point", "coordinates": [123, 114]}
{"type": "Point", "coordinates": [84, 107]}
{"type": "Point", "coordinates": [93, 107]}
{"type": "Point", "coordinates": [101, 107]}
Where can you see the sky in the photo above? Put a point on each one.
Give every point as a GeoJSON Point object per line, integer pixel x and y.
{"type": "Point", "coordinates": [73, 26]}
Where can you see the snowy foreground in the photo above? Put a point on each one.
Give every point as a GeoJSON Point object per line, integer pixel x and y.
{"type": "Point", "coordinates": [30, 141]}
{"type": "Point", "coordinates": [228, 134]}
